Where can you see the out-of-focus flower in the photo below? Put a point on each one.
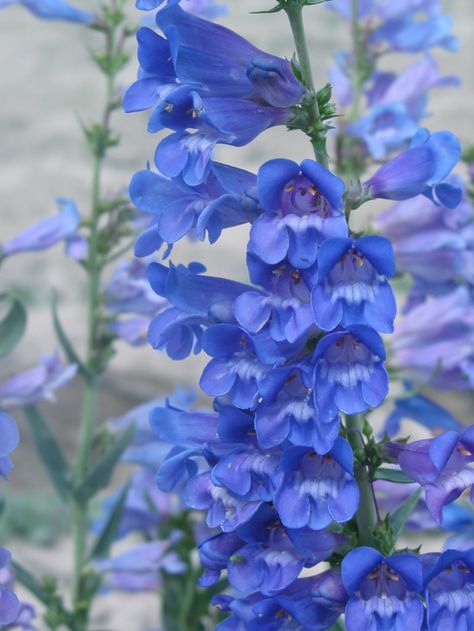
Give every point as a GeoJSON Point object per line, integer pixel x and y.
{"type": "Point", "coordinates": [34, 384]}
{"type": "Point", "coordinates": [46, 233]}
{"type": "Point", "coordinates": [53, 10]}
{"type": "Point", "coordinates": [9, 439]}
{"type": "Point", "coordinates": [9, 603]}
{"type": "Point", "coordinates": [138, 569]}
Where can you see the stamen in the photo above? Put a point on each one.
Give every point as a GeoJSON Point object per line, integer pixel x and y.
{"type": "Point", "coordinates": [392, 575]}
{"type": "Point", "coordinates": [168, 107]}
{"type": "Point", "coordinates": [289, 187]}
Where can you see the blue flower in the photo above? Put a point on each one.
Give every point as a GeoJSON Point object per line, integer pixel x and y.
{"type": "Point", "coordinates": [34, 384]}
{"type": "Point", "coordinates": [9, 603]}
{"type": "Point", "coordinates": [313, 603]}
{"type": "Point", "coordinates": [420, 170]}
{"type": "Point", "coordinates": [317, 489]}
{"type": "Point", "coordinates": [442, 465]}
{"type": "Point", "coordinates": [422, 410]}
{"type": "Point", "coordinates": [351, 284]}
{"type": "Point", "coordinates": [182, 78]}
{"type": "Point", "coordinates": [47, 232]}
{"type": "Point", "coordinates": [239, 363]}
{"type": "Point", "coordinates": [9, 439]}
{"type": "Point", "coordinates": [53, 10]}
{"type": "Point", "coordinates": [138, 569]}
{"type": "Point", "coordinates": [303, 205]}
{"type": "Point", "coordinates": [431, 242]}
{"type": "Point", "coordinates": [349, 375]}
{"type": "Point", "coordinates": [287, 412]}
{"type": "Point", "coordinates": [449, 585]}
{"type": "Point", "coordinates": [224, 509]}
{"type": "Point", "coordinates": [434, 342]}
{"type": "Point", "coordinates": [178, 209]}
{"type": "Point", "coordinates": [383, 591]}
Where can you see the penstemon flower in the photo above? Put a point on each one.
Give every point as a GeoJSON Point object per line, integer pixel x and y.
{"type": "Point", "coordinates": [284, 466]}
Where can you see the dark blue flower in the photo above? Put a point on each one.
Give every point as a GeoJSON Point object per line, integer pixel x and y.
{"type": "Point", "coordinates": [182, 78]}
{"type": "Point", "coordinates": [351, 284]}
{"type": "Point", "coordinates": [383, 591]}
{"type": "Point", "coordinates": [303, 205]}
{"type": "Point", "coordinates": [239, 363]}
{"type": "Point", "coordinates": [178, 209]}
{"type": "Point", "coordinates": [449, 590]}
{"type": "Point", "coordinates": [223, 508]}
{"type": "Point", "coordinates": [349, 375]}
{"type": "Point", "coordinates": [317, 489]}
{"type": "Point", "coordinates": [286, 412]}
{"type": "Point", "coordinates": [308, 604]}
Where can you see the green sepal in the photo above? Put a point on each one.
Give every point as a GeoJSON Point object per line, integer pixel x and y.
{"type": "Point", "coordinates": [109, 531]}
{"type": "Point", "coordinates": [285, 4]}
{"type": "Point", "coordinates": [49, 452]}
{"type": "Point", "coordinates": [64, 341]}
{"type": "Point", "coordinates": [102, 471]}
{"type": "Point", "coordinates": [400, 516]}
{"type": "Point", "coordinates": [13, 325]}
{"type": "Point", "coordinates": [392, 475]}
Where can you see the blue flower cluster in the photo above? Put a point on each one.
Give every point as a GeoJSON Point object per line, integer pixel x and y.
{"type": "Point", "coordinates": [395, 103]}
{"type": "Point", "coordinates": [292, 350]}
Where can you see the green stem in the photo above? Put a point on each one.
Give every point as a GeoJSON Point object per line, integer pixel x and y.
{"type": "Point", "coordinates": [357, 52]}
{"type": "Point", "coordinates": [80, 510]}
{"type": "Point", "coordinates": [366, 516]}
{"type": "Point", "coordinates": [318, 139]}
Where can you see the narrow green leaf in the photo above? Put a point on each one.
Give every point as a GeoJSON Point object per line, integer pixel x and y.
{"type": "Point", "coordinates": [392, 475]}
{"type": "Point", "coordinates": [102, 471]}
{"type": "Point", "coordinates": [399, 517]}
{"type": "Point", "coordinates": [13, 325]}
{"type": "Point", "coordinates": [111, 526]}
{"type": "Point", "coordinates": [274, 10]}
{"type": "Point", "coordinates": [49, 452]}
{"type": "Point", "coordinates": [26, 578]}
{"type": "Point", "coordinates": [66, 345]}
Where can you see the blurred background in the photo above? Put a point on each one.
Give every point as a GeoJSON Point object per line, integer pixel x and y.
{"type": "Point", "coordinates": [49, 84]}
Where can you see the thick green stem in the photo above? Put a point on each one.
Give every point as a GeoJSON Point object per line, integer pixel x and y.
{"type": "Point", "coordinates": [366, 516]}
{"type": "Point", "coordinates": [318, 140]}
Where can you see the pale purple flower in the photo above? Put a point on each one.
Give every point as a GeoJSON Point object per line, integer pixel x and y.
{"type": "Point", "coordinates": [35, 384]}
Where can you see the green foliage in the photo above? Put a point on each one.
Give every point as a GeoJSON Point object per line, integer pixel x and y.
{"type": "Point", "coordinates": [109, 531]}
{"type": "Point", "coordinates": [49, 452]}
{"type": "Point", "coordinates": [13, 324]}
{"type": "Point", "coordinates": [101, 472]}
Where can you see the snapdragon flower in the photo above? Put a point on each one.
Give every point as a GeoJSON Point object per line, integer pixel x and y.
{"type": "Point", "coordinates": [9, 439]}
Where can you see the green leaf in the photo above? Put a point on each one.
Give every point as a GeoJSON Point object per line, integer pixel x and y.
{"type": "Point", "coordinates": [392, 475]}
{"type": "Point", "coordinates": [274, 10]}
{"type": "Point", "coordinates": [111, 526]}
{"type": "Point", "coordinates": [49, 452]}
{"type": "Point", "coordinates": [26, 578]}
{"type": "Point", "coordinates": [101, 472]}
{"type": "Point", "coordinates": [399, 517]}
{"type": "Point", "coordinates": [13, 325]}
{"type": "Point", "coordinates": [66, 345]}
